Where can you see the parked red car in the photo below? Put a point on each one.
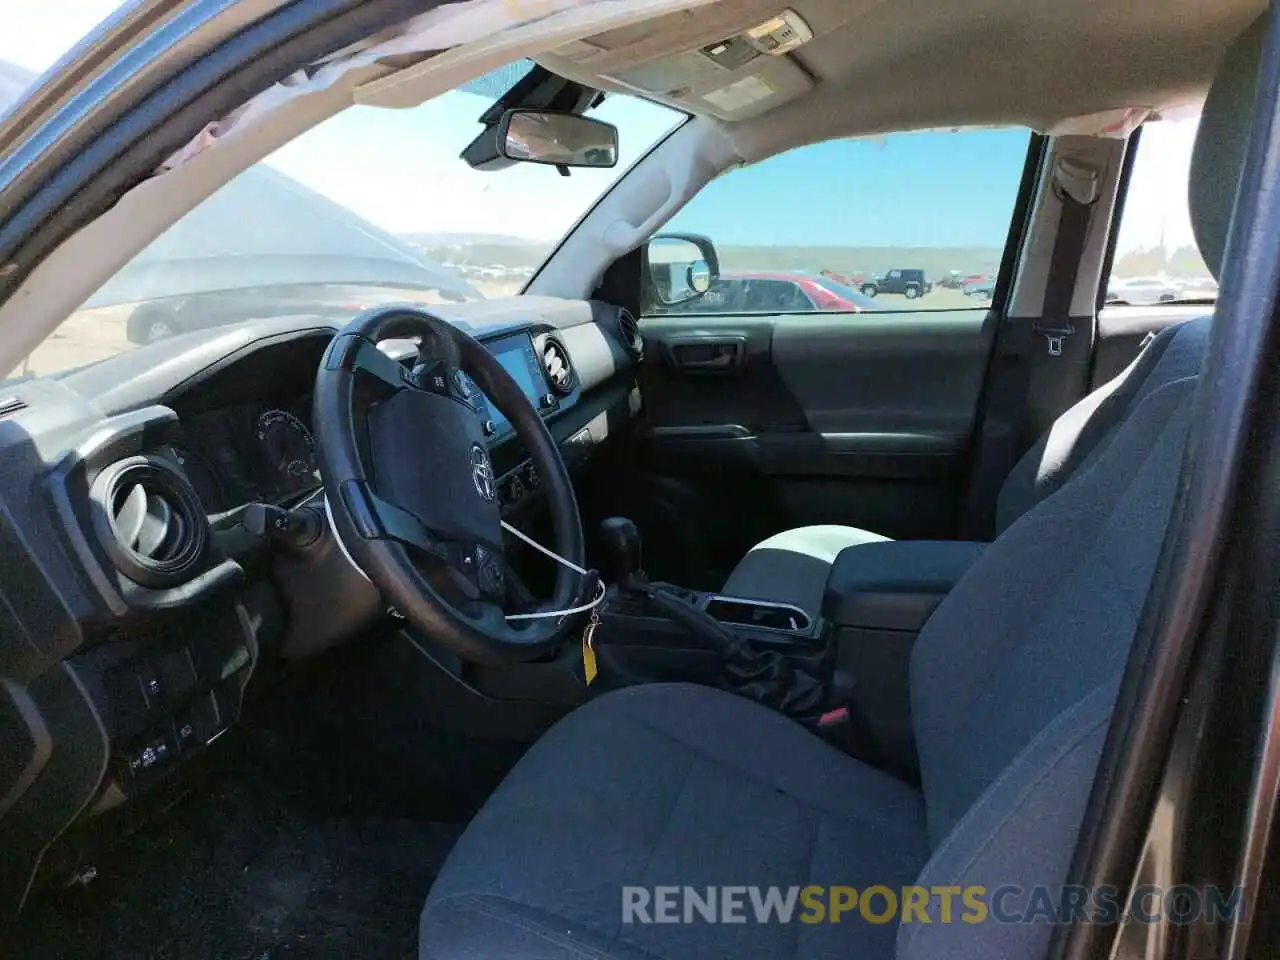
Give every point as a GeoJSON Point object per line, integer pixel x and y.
{"type": "Point", "coordinates": [769, 292]}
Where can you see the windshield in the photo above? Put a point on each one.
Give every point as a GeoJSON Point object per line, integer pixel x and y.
{"type": "Point", "coordinates": [372, 206]}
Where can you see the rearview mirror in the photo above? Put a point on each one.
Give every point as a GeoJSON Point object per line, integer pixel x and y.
{"type": "Point", "coordinates": [681, 267]}
{"type": "Point", "coordinates": [559, 139]}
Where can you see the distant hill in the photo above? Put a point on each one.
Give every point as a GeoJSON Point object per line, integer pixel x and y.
{"type": "Point", "coordinates": [447, 239]}
{"type": "Point", "coordinates": [480, 249]}
{"type": "Point", "coordinates": [934, 261]}
{"type": "Point", "coordinates": [519, 253]}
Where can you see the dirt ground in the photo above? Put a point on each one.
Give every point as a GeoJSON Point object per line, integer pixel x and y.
{"type": "Point", "coordinates": [92, 335]}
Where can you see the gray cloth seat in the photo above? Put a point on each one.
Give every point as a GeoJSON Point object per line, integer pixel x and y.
{"type": "Point", "coordinates": [792, 566]}
{"type": "Point", "coordinates": [1012, 684]}
{"type": "Point", "coordinates": [574, 821]}
{"type": "Point", "coordinates": [1013, 681]}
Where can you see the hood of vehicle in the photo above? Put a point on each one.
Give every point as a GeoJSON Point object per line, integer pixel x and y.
{"type": "Point", "coordinates": [262, 229]}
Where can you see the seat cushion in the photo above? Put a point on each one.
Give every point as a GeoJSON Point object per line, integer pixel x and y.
{"type": "Point", "coordinates": [672, 784]}
{"type": "Point", "coordinates": [792, 566]}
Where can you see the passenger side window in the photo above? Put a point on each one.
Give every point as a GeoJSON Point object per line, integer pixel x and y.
{"type": "Point", "coordinates": [1156, 260]}
{"type": "Point", "coordinates": [913, 221]}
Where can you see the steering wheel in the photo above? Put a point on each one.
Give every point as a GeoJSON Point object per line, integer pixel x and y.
{"type": "Point", "coordinates": [412, 491]}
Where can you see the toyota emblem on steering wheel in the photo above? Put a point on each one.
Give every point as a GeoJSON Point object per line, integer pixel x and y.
{"type": "Point", "coordinates": [482, 474]}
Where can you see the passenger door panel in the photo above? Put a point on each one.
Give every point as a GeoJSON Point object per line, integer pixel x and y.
{"type": "Point", "coordinates": [788, 420]}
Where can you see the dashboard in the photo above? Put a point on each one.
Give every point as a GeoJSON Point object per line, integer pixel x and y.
{"type": "Point", "coordinates": [124, 655]}
{"type": "Point", "coordinates": [264, 450]}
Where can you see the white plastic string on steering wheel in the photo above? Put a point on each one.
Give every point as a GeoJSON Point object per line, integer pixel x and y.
{"type": "Point", "coordinates": [544, 614]}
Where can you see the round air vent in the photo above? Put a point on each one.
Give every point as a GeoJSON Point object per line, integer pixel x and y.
{"type": "Point", "coordinates": [150, 521]}
{"type": "Point", "coordinates": [629, 330]}
{"type": "Point", "coordinates": [556, 365]}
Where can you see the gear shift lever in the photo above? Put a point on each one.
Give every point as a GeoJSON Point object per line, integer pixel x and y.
{"type": "Point", "coordinates": [761, 675]}
{"type": "Point", "coordinates": [621, 542]}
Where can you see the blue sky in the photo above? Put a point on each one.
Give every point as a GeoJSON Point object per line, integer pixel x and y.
{"type": "Point", "coordinates": [400, 170]}
{"type": "Point", "coordinates": [931, 189]}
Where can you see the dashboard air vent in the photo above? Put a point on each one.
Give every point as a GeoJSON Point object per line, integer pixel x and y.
{"type": "Point", "coordinates": [629, 330]}
{"type": "Point", "coordinates": [150, 521]}
{"type": "Point", "coordinates": [555, 362]}
{"type": "Point", "coordinates": [11, 405]}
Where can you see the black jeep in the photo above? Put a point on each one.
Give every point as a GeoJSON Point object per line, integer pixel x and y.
{"type": "Point", "coordinates": [909, 283]}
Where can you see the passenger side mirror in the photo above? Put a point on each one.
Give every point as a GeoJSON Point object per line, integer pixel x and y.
{"type": "Point", "coordinates": [559, 139]}
{"type": "Point", "coordinates": [679, 268]}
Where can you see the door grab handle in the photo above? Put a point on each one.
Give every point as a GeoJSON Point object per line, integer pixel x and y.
{"type": "Point", "coordinates": [697, 355]}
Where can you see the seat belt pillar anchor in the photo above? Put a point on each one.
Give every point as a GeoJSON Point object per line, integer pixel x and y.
{"type": "Point", "coordinates": [1076, 185]}
{"type": "Point", "coordinates": [1055, 339]}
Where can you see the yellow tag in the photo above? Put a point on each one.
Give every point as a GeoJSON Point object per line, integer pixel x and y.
{"type": "Point", "coordinates": [589, 653]}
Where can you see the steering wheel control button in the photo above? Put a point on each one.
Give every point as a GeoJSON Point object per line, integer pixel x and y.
{"type": "Point", "coordinates": [465, 572]}
{"type": "Point", "coordinates": [515, 490]}
{"type": "Point", "coordinates": [531, 478]}
{"type": "Point", "coordinates": [152, 685]}
{"type": "Point", "coordinates": [461, 385]}
{"type": "Point", "coordinates": [482, 474]}
{"type": "Point", "coordinates": [178, 675]}
{"type": "Point", "coordinates": [198, 724]}
{"type": "Point", "coordinates": [490, 572]}
{"type": "Point", "coordinates": [150, 758]}
{"type": "Point", "coordinates": [490, 428]}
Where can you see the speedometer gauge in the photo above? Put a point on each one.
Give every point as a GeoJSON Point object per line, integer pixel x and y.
{"type": "Point", "coordinates": [288, 446]}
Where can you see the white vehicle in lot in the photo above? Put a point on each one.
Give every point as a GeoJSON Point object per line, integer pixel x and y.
{"type": "Point", "coordinates": [1135, 290]}
{"type": "Point", "coordinates": [1200, 288]}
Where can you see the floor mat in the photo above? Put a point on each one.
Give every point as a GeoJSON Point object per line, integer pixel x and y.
{"type": "Point", "coordinates": [246, 874]}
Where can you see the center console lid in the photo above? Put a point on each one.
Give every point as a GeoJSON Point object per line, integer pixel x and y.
{"type": "Point", "coordinates": [879, 596]}
{"type": "Point", "coordinates": [895, 585]}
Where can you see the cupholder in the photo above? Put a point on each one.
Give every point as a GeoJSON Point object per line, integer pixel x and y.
{"type": "Point", "coordinates": [760, 614]}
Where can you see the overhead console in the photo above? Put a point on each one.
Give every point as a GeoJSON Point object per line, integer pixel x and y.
{"type": "Point", "coordinates": [731, 64]}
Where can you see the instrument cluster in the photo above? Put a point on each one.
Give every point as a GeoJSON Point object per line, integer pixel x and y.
{"type": "Point", "coordinates": [248, 453]}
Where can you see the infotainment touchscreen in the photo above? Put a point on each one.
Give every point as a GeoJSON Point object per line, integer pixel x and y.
{"type": "Point", "coordinates": [516, 355]}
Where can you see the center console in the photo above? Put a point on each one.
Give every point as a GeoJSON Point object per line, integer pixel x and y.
{"type": "Point", "coordinates": [637, 643]}
{"type": "Point", "coordinates": [878, 598]}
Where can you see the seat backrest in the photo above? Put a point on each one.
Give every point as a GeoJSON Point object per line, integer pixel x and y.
{"type": "Point", "coordinates": [1077, 437]}
{"type": "Point", "coordinates": [1014, 678]}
